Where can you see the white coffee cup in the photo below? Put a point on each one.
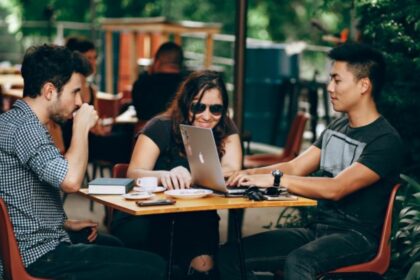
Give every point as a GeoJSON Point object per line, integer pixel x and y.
{"type": "Point", "coordinates": [147, 183]}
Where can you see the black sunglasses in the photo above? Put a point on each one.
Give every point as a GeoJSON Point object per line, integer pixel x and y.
{"type": "Point", "coordinates": [215, 109]}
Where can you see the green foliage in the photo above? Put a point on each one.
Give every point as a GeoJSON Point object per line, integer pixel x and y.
{"type": "Point", "coordinates": [394, 28]}
{"type": "Point", "coordinates": [406, 241]}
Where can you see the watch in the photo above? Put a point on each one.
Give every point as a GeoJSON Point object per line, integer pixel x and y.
{"type": "Point", "coordinates": [277, 177]}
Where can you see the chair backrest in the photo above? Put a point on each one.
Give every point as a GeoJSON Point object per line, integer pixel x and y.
{"type": "Point", "coordinates": [12, 261]}
{"type": "Point", "coordinates": [57, 135]}
{"type": "Point", "coordinates": [380, 263]}
{"type": "Point", "coordinates": [295, 135]}
{"type": "Point", "coordinates": [120, 170]}
{"type": "Point", "coordinates": [108, 106]}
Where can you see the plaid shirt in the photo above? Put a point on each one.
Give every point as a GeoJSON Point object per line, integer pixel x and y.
{"type": "Point", "coordinates": [31, 171]}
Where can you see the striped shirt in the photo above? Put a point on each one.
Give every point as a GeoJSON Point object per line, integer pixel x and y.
{"type": "Point", "coordinates": [31, 171]}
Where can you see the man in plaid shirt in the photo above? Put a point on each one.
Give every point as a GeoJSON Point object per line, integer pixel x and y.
{"type": "Point", "coordinates": [33, 172]}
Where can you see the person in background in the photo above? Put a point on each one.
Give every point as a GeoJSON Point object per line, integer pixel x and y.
{"type": "Point", "coordinates": [154, 90]}
{"type": "Point", "coordinates": [101, 137]}
{"type": "Point", "coordinates": [88, 50]}
{"type": "Point", "coordinates": [89, 89]}
{"type": "Point", "coordinates": [34, 171]}
{"type": "Point", "coordinates": [201, 101]}
{"type": "Point", "coordinates": [357, 159]}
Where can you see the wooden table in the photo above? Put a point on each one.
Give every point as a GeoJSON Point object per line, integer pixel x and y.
{"type": "Point", "coordinates": [8, 80]}
{"type": "Point", "coordinates": [13, 93]}
{"type": "Point", "coordinates": [214, 202]}
{"type": "Point", "coordinates": [126, 118]}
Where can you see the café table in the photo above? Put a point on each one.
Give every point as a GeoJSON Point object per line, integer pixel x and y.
{"type": "Point", "coordinates": [127, 118]}
{"type": "Point", "coordinates": [13, 93]}
{"type": "Point", "coordinates": [213, 202]}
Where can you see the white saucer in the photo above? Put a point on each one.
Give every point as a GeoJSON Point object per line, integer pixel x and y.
{"type": "Point", "coordinates": [138, 195]}
{"type": "Point", "coordinates": [157, 189]}
{"type": "Point", "coordinates": [188, 193]}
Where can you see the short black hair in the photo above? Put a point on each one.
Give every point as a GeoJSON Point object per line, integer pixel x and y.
{"type": "Point", "coordinates": [46, 63]}
{"type": "Point", "coordinates": [170, 53]}
{"type": "Point", "coordinates": [364, 62]}
{"type": "Point", "coordinates": [80, 44]}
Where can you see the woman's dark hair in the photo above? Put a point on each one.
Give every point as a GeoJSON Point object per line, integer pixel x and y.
{"type": "Point", "coordinates": [82, 65]}
{"type": "Point", "coordinates": [79, 44]}
{"type": "Point", "coordinates": [46, 63]}
{"type": "Point", "coordinates": [196, 84]}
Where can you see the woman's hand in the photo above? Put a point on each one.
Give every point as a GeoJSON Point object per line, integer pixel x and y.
{"type": "Point", "coordinates": [235, 176]}
{"type": "Point", "coordinates": [76, 225]}
{"type": "Point", "coordinates": [177, 178]}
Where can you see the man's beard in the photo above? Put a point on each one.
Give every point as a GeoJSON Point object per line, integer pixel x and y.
{"type": "Point", "coordinates": [58, 119]}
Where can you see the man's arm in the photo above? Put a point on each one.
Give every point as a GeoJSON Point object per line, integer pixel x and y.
{"type": "Point", "coordinates": [351, 179]}
{"type": "Point", "coordinates": [304, 164]}
{"type": "Point", "coordinates": [77, 154]}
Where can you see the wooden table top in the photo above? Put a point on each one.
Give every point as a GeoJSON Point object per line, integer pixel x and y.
{"type": "Point", "coordinates": [213, 202]}
{"type": "Point", "coordinates": [15, 93]}
{"type": "Point", "coordinates": [126, 118]}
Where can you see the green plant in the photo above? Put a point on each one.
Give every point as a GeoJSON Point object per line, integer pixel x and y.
{"type": "Point", "coordinates": [406, 241]}
{"type": "Point", "coordinates": [414, 272]}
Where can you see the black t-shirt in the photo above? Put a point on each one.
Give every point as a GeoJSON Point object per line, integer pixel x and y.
{"type": "Point", "coordinates": [377, 146]}
{"type": "Point", "coordinates": [159, 130]}
{"type": "Point", "coordinates": [153, 93]}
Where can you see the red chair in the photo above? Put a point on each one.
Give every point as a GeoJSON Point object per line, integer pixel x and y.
{"type": "Point", "coordinates": [107, 105]}
{"type": "Point", "coordinates": [12, 261]}
{"type": "Point", "coordinates": [118, 171]}
{"type": "Point", "coordinates": [380, 263]}
{"type": "Point", "coordinates": [291, 149]}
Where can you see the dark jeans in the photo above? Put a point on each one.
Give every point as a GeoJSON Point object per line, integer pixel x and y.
{"type": "Point", "coordinates": [82, 261]}
{"type": "Point", "coordinates": [300, 253]}
{"type": "Point", "coordinates": [195, 234]}
{"type": "Point", "coordinates": [102, 238]}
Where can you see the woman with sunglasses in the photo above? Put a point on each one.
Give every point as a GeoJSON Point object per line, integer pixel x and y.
{"type": "Point", "coordinates": [201, 101]}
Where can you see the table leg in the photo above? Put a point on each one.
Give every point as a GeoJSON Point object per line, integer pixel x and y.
{"type": "Point", "coordinates": [231, 223]}
{"type": "Point", "coordinates": [237, 220]}
{"type": "Point", "coordinates": [171, 248]}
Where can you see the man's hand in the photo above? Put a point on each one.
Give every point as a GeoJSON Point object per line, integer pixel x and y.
{"type": "Point", "coordinates": [85, 117]}
{"type": "Point", "coordinates": [76, 225]}
{"type": "Point", "coordinates": [260, 180]}
{"type": "Point", "coordinates": [177, 178]}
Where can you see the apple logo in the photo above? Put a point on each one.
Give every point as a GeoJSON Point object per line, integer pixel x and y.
{"type": "Point", "coordinates": [201, 158]}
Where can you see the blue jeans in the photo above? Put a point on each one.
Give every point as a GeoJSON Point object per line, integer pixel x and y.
{"type": "Point", "coordinates": [82, 261]}
{"type": "Point", "coordinates": [300, 253]}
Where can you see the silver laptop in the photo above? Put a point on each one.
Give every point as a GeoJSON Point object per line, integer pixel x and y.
{"type": "Point", "coordinates": [206, 170]}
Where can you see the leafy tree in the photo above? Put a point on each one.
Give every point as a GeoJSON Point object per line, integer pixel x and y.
{"type": "Point", "coordinates": [394, 28]}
